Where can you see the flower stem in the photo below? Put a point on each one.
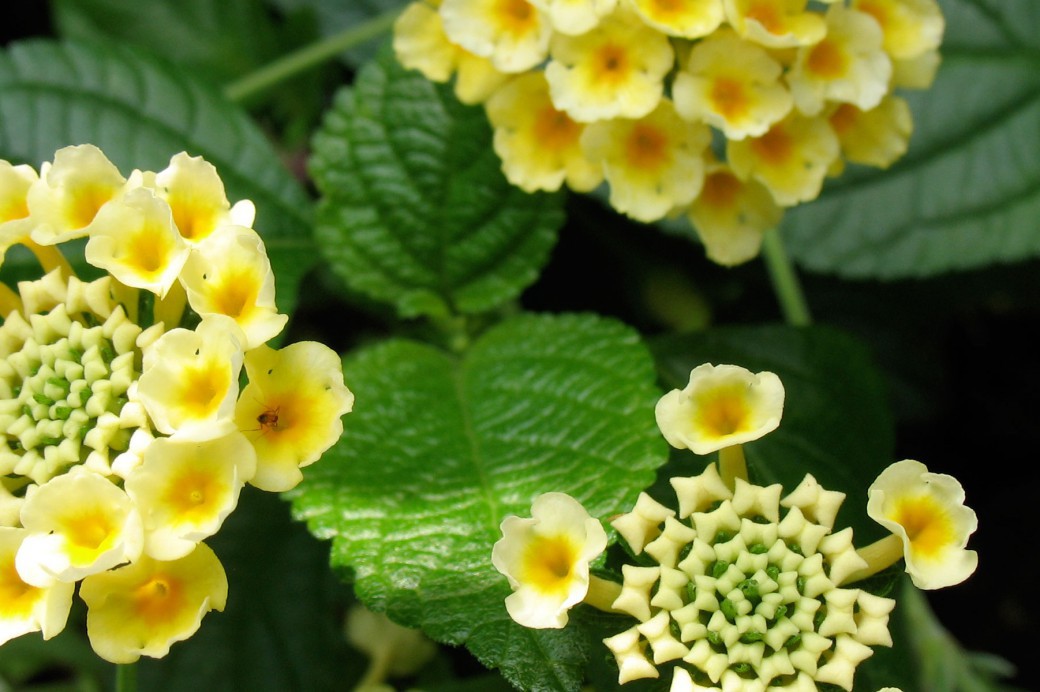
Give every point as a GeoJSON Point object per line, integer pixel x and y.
{"type": "Point", "coordinates": [126, 677]}
{"type": "Point", "coordinates": [49, 257]}
{"type": "Point", "coordinates": [378, 669]}
{"type": "Point", "coordinates": [878, 555]}
{"type": "Point", "coordinates": [306, 58]}
{"type": "Point", "coordinates": [786, 285]}
{"type": "Point", "coordinates": [9, 300]}
{"type": "Point", "coordinates": [602, 593]}
{"type": "Point", "coordinates": [732, 465]}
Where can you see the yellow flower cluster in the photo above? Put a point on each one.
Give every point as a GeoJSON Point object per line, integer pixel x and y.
{"type": "Point", "coordinates": [636, 92]}
{"type": "Point", "coordinates": [125, 435]}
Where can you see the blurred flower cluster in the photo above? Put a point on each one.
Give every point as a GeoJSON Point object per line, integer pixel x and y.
{"type": "Point", "coordinates": [126, 434]}
{"type": "Point", "coordinates": [727, 111]}
{"type": "Point", "coordinates": [742, 587]}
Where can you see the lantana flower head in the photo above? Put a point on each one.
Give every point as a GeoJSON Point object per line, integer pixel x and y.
{"type": "Point", "coordinates": [120, 450]}
{"type": "Point", "coordinates": [926, 512]}
{"type": "Point", "coordinates": [512, 34]}
{"type": "Point", "coordinates": [722, 405]}
{"type": "Point", "coordinates": [731, 215]}
{"type": "Point", "coordinates": [877, 137]}
{"type": "Point", "coordinates": [575, 17]}
{"type": "Point", "coordinates": [546, 559]}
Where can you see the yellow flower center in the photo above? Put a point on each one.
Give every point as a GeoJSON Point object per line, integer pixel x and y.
{"type": "Point", "coordinates": [611, 64]}
{"type": "Point", "coordinates": [14, 208]}
{"type": "Point", "coordinates": [875, 10]}
{"type": "Point", "coordinates": [723, 412]}
{"type": "Point", "coordinates": [827, 60]}
{"type": "Point", "coordinates": [516, 17]}
{"type": "Point", "coordinates": [237, 293]}
{"type": "Point", "coordinates": [765, 13]}
{"type": "Point", "coordinates": [159, 600]}
{"type": "Point", "coordinates": [202, 388]}
{"type": "Point", "coordinates": [149, 251]}
{"type": "Point", "coordinates": [720, 190]}
{"type": "Point", "coordinates": [89, 534]}
{"type": "Point", "coordinates": [928, 527]}
{"type": "Point", "coordinates": [193, 494]}
{"type": "Point", "coordinates": [844, 118]}
{"type": "Point", "coordinates": [16, 597]}
{"type": "Point", "coordinates": [84, 207]}
{"type": "Point", "coordinates": [665, 11]}
{"type": "Point", "coordinates": [646, 147]}
{"type": "Point", "coordinates": [554, 130]}
{"type": "Point", "coordinates": [194, 220]}
{"type": "Point", "coordinates": [548, 563]}
{"type": "Point", "coordinates": [729, 98]}
{"type": "Point", "coordinates": [774, 148]}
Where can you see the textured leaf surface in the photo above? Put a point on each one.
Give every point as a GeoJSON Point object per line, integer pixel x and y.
{"type": "Point", "coordinates": [416, 211]}
{"type": "Point", "coordinates": [836, 423]}
{"type": "Point", "coordinates": [438, 450]}
{"type": "Point", "coordinates": [282, 629]}
{"type": "Point", "coordinates": [141, 111]}
{"type": "Point", "coordinates": [967, 194]}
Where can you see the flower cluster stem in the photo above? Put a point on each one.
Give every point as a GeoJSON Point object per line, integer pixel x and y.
{"type": "Point", "coordinates": [878, 555]}
{"type": "Point", "coordinates": [786, 285]}
{"type": "Point", "coordinates": [307, 58]}
{"type": "Point", "coordinates": [126, 677]}
{"type": "Point", "coordinates": [49, 257]}
{"type": "Point", "coordinates": [732, 465]}
{"type": "Point", "coordinates": [378, 669]}
{"type": "Point", "coordinates": [602, 594]}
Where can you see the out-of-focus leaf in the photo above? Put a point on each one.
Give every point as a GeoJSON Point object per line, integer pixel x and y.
{"type": "Point", "coordinates": [439, 449]}
{"type": "Point", "coordinates": [334, 16]}
{"type": "Point", "coordinates": [141, 111]}
{"type": "Point", "coordinates": [415, 210]}
{"type": "Point", "coordinates": [967, 194]}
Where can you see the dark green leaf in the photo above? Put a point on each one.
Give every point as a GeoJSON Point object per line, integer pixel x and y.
{"type": "Point", "coordinates": [967, 194]}
{"type": "Point", "coordinates": [141, 111]}
{"type": "Point", "coordinates": [439, 449]}
{"type": "Point", "coordinates": [334, 16]}
{"type": "Point", "coordinates": [416, 211]}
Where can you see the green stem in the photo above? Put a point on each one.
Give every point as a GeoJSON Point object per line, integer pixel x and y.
{"type": "Point", "coordinates": [785, 280]}
{"type": "Point", "coordinates": [126, 677]}
{"type": "Point", "coordinates": [307, 58]}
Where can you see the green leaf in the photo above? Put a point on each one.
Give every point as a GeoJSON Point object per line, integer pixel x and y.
{"type": "Point", "coordinates": [141, 111]}
{"type": "Point", "coordinates": [416, 211]}
{"type": "Point", "coordinates": [282, 629]}
{"type": "Point", "coordinates": [836, 422]}
{"type": "Point", "coordinates": [439, 449]}
{"type": "Point", "coordinates": [967, 194]}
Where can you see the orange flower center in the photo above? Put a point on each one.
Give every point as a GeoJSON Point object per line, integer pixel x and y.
{"type": "Point", "coordinates": [646, 147]}
{"type": "Point", "coordinates": [729, 98]}
{"type": "Point", "coordinates": [766, 14]}
{"type": "Point", "coordinates": [611, 64]}
{"type": "Point", "coordinates": [516, 17]}
{"type": "Point", "coordinates": [827, 60]}
{"type": "Point", "coordinates": [775, 147]}
{"type": "Point", "coordinates": [555, 130]}
{"type": "Point", "coordinates": [723, 413]}
{"type": "Point", "coordinates": [844, 118]}
{"type": "Point", "coordinates": [720, 190]}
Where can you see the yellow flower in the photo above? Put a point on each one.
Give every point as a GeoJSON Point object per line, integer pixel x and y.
{"type": "Point", "coordinates": [513, 34]}
{"type": "Point", "coordinates": [655, 165]}
{"type": "Point", "coordinates": [733, 85]}
{"type": "Point", "coordinates": [847, 65]}
{"type": "Point", "coordinates": [775, 23]}
{"type": "Point", "coordinates": [476, 79]}
{"type": "Point", "coordinates": [79, 523]}
{"type": "Point", "coordinates": [731, 215]}
{"type": "Point", "coordinates": [791, 160]}
{"type": "Point", "coordinates": [135, 240]}
{"type": "Point", "coordinates": [723, 405]}
{"type": "Point", "coordinates": [421, 44]}
{"type": "Point", "coordinates": [546, 559]}
{"type": "Point", "coordinates": [23, 607]}
{"type": "Point", "coordinates": [143, 608]}
{"type": "Point", "coordinates": [290, 410]}
{"type": "Point", "coordinates": [231, 275]}
{"type": "Point", "coordinates": [15, 225]}
{"type": "Point", "coordinates": [575, 17]}
{"type": "Point", "coordinates": [877, 137]}
{"type": "Point", "coordinates": [193, 189]}
{"type": "Point", "coordinates": [70, 191]}
{"type": "Point", "coordinates": [616, 70]}
{"type": "Point", "coordinates": [538, 144]}
{"type": "Point", "coordinates": [683, 18]}
{"type": "Point", "coordinates": [926, 510]}
{"type": "Point", "coordinates": [910, 27]}
{"type": "Point", "coordinates": [189, 381]}
{"type": "Point", "coordinates": [187, 489]}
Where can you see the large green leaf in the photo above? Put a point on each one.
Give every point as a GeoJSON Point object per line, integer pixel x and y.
{"type": "Point", "coordinates": [836, 423]}
{"type": "Point", "coordinates": [967, 194]}
{"type": "Point", "coordinates": [141, 111]}
{"type": "Point", "coordinates": [416, 211]}
{"type": "Point", "coordinates": [440, 448]}
{"type": "Point", "coordinates": [283, 626]}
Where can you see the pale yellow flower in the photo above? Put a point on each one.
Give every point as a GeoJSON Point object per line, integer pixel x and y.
{"type": "Point", "coordinates": [79, 524]}
{"type": "Point", "coordinates": [512, 34]}
{"type": "Point", "coordinates": [143, 608]}
{"type": "Point", "coordinates": [683, 18]}
{"type": "Point", "coordinates": [723, 405]}
{"type": "Point", "coordinates": [23, 607]}
{"type": "Point", "coordinates": [231, 275]}
{"type": "Point", "coordinates": [877, 137]}
{"type": "Point", "coordinates": [546, 559]}
{"type": "Point", "coordinates": [791, 160]}
{"type": "Point", "coordinates": [655, 165]}
{"type": "Point", "coordinates": [917, 72]}
{"type": "Point", "coordinates": [616, 70]}
{"type": "Point", "coordinates": [135, 240]}
{"type": "Point", "coordinates": [733, 85]}
{"type": "Point", "coordinates": [910, 27]}
{"type": "Point", "coordinates": [776, 23]}
{"type": "Point", "coordinates": [290, 411]}
{"type": "Point", "coordinates": [186, 489]}
{"type": "Point", "coordinates": [15, 223]}
{"type": "Point", "coordinates": [189, 381]}
{"type": "Point", "coordinates": [926, 510]}
{"type": "Point", "coordinates": [70, 191]}
{"type": "Point", "coordinates": [421, 44]}
{"type": "Point", "coordinates": [575, 17]}
{"type": "Point", "coordinates": [538, 144]}
{"type": "Point", "coordinates": [848, 65]}
{"type": "Point", "coordinates": [731, 215]}
{"type": "Point", "coordinates": [193, 189]}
